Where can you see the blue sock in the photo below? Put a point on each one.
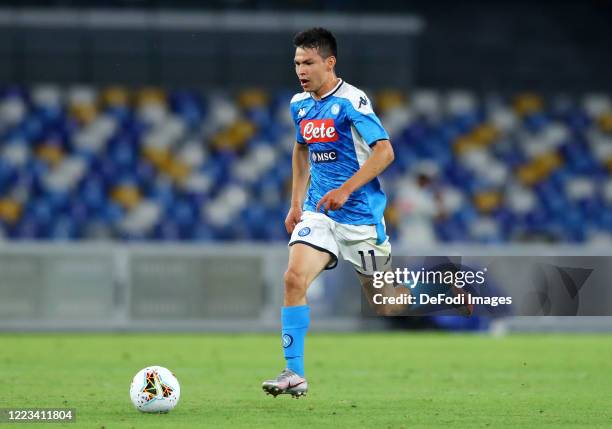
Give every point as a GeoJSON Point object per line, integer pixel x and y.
{"type": "Point", "coordinates": [295, 321]}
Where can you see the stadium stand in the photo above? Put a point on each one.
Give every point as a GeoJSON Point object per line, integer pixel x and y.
{"type": "Point", "coordinates": [153, 164]}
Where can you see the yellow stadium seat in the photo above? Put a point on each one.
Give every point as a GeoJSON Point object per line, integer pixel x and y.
{"type": "Point", "coordinates": [234, 137]}
{"type": "Point", "coordinates": [389, 99]}
{"type": "Point", "coordinates": [549, 161]}
{"type": "Point", "coordinates": [392, 215]}
{"type": "Point", "coordinates": [464, 144]}
{"type": "Point", "coordinates": [156, 156]}
{"type": "Point", "coordinates": [115, 96]}
{"type": "Point", "coordinates": [10, 210]}
{"type": "Point", "coordinates": [50, 153]}
{"type": "Point", "coordinates": [527, 174]}
{"type": "Point", "coordinates": [527, 103]}
{"type": "Point", "coordinates": [605, 122]}
{"type": "Point", "coordinates": [487, 201]}
{"type": "Point", "coordinates": [176, 169]}
{"type": "Point", "coordinates": [128, 196]}
{"type": "Point", "coordinates": [253, 97]}
{"type": "Point", "coordinates": [485, 134]}
{"type": "Point", "coordinates": [84, 113]}
{"type": "Point", "coordinates": [150, 95]}
{"type": "Point", "coordinates": [540, 168]}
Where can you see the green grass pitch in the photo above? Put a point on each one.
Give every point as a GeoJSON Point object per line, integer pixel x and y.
{"type": "Point", "coordinates": [356, 380]}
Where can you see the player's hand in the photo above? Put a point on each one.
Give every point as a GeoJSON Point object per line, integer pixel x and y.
{"type": "Point", "coordinates": [333, 200]}
{"type": "Point", "coordinates": [293, 218]}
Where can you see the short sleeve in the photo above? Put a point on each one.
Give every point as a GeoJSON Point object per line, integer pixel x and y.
{"type": "Point", "coordinates": [362, 116]}
{"type": "Point", "coordinates": [296, 123]}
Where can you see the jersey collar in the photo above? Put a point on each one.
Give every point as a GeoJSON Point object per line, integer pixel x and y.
{"type": "Point", "coordinates": [324, 96]}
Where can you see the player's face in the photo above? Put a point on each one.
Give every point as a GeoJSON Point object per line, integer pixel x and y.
{"type": "Point", "coordinates": [312, 69]}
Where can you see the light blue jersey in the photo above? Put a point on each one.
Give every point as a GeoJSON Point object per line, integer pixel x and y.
{"type": "Point", "coordinates": [340, 130]}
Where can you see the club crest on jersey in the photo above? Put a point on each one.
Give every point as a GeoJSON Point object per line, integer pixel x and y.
{"type": "Point", "coordinates": [318, 131]}
{"type": "Point", "coordinates": [335, 109]}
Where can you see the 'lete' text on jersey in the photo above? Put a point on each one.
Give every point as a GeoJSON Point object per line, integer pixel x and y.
{"type": "Point", "coordinates": [340, 130]}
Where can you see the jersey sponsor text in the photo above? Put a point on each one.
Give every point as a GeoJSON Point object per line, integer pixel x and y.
{"type": "Point", "coordinates": [319, 131]}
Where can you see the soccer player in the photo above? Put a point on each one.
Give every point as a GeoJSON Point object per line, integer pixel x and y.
{"type": "Point", "coordinates": [342, 148]}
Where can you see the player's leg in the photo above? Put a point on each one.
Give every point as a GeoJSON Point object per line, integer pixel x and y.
{"type": "Point", "coordinates": [312, 249]}
{"type": "Point", "coordinates": [400, 307]}
{"type": "Point", "coordinates": [367, 257]}
{"type": "Point", "coordinates": [359, 245]}
{"type": "Point", "coordinates": [305, 264]}
{"type": "Point", "coordinates": [389, 289]}
{"type": "Point", "coordinates": [367, 248]}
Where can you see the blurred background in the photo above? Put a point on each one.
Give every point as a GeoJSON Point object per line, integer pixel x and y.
{"type": "Point", "coordinates": [145, 151]}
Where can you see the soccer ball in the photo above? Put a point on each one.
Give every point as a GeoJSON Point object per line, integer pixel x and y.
{"type": "Point", "coordinates": [155, 389]}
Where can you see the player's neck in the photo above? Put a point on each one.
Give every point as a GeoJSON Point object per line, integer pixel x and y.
{"type": "Point", "coordinates": [326, 87]}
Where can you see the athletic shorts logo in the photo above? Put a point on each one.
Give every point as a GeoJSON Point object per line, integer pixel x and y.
{"type": "Point", "coordinates": [287, 340]}
{"type": "Point", "coordinates": [304, 231]}
{"type": "Point", "coordinates": [323, 156]}
{"type": "Point", "coordinates": [319, 131]}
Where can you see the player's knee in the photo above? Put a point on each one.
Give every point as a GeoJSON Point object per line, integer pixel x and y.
{"type": "Point", "coordinates": [366, 281]}
{"type": "Point", "coordinates": [390, 310]}
{"type": "Point", "coordinates": [295, 282]}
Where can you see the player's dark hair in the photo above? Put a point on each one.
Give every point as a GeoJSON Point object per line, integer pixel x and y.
{"type": "Point", "coordinates": [317, 38]}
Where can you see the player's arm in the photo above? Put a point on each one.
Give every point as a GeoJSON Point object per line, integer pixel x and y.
{"type": "Point", "coordinates": [382, 155]}
{"type": "Point", "coordinates": [301, 174]}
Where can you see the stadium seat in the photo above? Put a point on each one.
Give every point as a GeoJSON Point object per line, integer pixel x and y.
{"type": "Point", "coordinates": [114, 163]}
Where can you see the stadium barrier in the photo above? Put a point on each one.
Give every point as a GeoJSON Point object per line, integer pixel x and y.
{"type": "Point", "coordinates": [220, 287]}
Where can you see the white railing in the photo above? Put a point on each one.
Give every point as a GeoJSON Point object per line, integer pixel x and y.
{"type": "Point", "coordinates": [223, 287]}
